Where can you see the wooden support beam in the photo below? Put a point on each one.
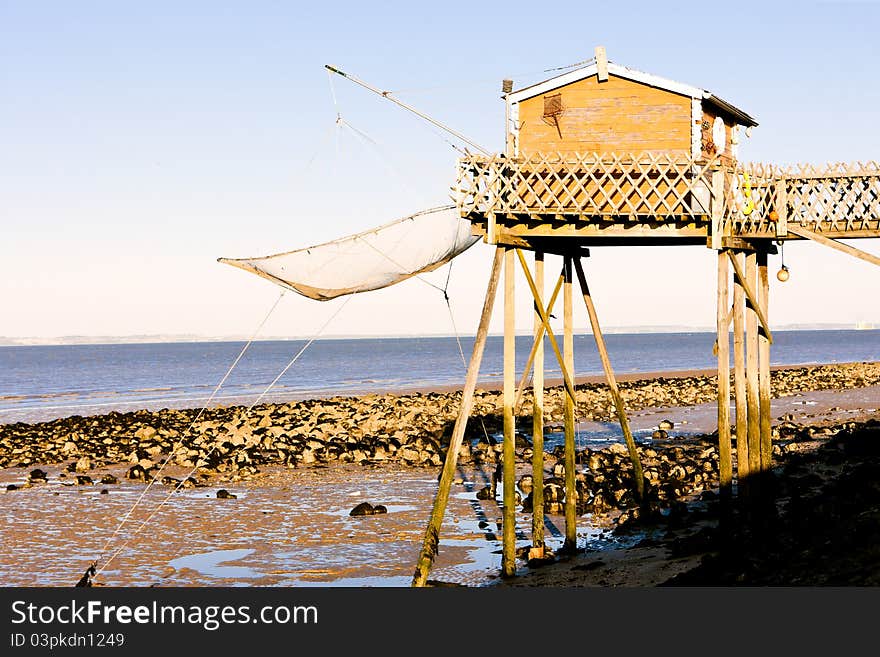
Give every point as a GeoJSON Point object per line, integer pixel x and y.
{"type": "Point", "coordinates": [764, 366]}
{"type": "Point", "coordinates": [538, 342]}
{"type": "Point", "coordinates": [538, 417]}
{"type": "Point", "coordinates": [724, 454]}
{"type": "Point", "coordinates": [432, 533]}
{"type": "Point", "coordinates": [800, 231]}
{"type": "Point", "coordinates": [752, 395]}
{"type": "Point", "coordinates": [612, 381]}
{"type": "Point", "coordinates": [717, 209]}
{"type": "Point", "coordinates": [508, 514]}
{"type": "Point", "coordinates": [567, 379]}
{"type": "Point", "coordinates": [748, 287]}
{"type": "Point", "coordinates": [570, 543]}
{"type": "Point", "coordinates": [739, 377]}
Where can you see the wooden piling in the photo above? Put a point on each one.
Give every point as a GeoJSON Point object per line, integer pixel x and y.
{"type": "Point", "coordinates": [763, 292]}
{"type": "Point", "coordinates": [612, 381]}
{"type": "Point", "coordinates": [538, 416]}
{"type": "Point", "coordinates": [724, 456]}
{"type": "Point", "coordinates": [570, 543]}
{"type": "Point", "coordinates": [508, 540]}
{"type": "Point", "coordinates": [739, 377]}
{"type": "Point", "coordinates": [432, 533]}
{"type": "Point", "coordinates": [752, 396]}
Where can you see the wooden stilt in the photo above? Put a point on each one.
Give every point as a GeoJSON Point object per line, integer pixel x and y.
{"type": "Point", "coordinates": [739, 376]}
{"type": "Point", "coordinates": [432, 533]}
{"type": "Point", "coordinates": [538, 419]}
{"type": "Point", "coordinates": [568, 355]}
{"type": "Point", "coordinates": [724, 455]}
{"type": "Point", "coordinates": [508, 541]}
{"type": "Point", "coordinates": [754, 421]}
{"type": "Point", "coordinates": [611, 380]}
{"type": "Point", "coordinates": [764, 364]}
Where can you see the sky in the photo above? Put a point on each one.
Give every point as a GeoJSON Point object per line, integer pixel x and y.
{"type": "Point", "coordinates": [139, 142]}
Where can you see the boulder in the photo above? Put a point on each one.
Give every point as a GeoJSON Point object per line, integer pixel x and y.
{"type": "Point", "coordinates": [224, 494]}
{"type": "Point", "coordinates": [38, 475]}
{"type": "Point", "coordinates": [362, 509]}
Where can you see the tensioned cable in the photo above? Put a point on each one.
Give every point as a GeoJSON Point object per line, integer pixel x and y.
{"type": "Point", "coordinates": [184, 479]}
{"type": "Point", "coordinates": [458, 341]}
{"type": "Point", "coordinates": [192, 424]}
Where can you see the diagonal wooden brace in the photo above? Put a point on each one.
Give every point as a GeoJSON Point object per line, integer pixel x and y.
{"type": "Point", "coordinates": [834, 244]}
{"type": "Point", "coordinates": [612, 382]}
{"type": "Point", "coordinates": [545, 320]}
{"type": "Point", "coordinates": [539, 336]}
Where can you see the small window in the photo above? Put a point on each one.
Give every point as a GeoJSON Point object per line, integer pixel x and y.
{"type": "Point", "coordinates": [552, 108]}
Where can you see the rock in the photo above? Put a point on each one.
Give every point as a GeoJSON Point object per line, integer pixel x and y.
{"type": "Point", "coordinates": [525, 483]}
{"type": "Point", "coordinates": [38, 475]}
{"type": "Point", "coordinates": [224, 494]}
{"type": "Point", "coordinates": [83, 465]}
{"type": "Point", "coordinates": [109, 479]}
{"type": "Point", "coordinates": [104, 491]}
{"type": "Point", "coordinates": [486, 493]}
{"type": "Point", "coordinates": [362, 509]}
{"type": "Point", "coordinates": [380, 508]}
{"type": "Point", "coordinates": [136, 472]}
{"type": "Point", "coordinates": [666, 425]}
{"type": "Point", "coordinates": [12, 487]}
{"type": "Point", "coordinates": [617, 448]}
{"type": "Point", "coordinates": [84, 480]}
{"type": "Point", "coordinates": [659, 434]}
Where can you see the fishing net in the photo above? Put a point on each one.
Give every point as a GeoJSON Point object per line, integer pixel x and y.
{"type": "Point", "coordinates": [370, 260]}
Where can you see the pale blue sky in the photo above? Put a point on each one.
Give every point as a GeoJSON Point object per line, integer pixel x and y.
{"type": "Point", "coordinates": [141, 141]}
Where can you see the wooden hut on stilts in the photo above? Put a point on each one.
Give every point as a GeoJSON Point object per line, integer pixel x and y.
{"type": "Point", "coordinates": [605, 155]}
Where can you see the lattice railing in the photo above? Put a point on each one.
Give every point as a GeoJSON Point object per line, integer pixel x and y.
{"type": "Point", "coordinates": [828, 198]}
{"type": "Point", "coordinates": [655, 187]}
{"type": "Point", "coordinates": [628, 186]}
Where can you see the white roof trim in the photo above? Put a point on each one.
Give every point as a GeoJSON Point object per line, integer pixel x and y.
{"type": "Point", "coordinates": [613, 69]}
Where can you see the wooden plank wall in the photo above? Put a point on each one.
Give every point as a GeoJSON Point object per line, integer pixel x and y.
{"type": "Point", "coordinates": [614, 116]}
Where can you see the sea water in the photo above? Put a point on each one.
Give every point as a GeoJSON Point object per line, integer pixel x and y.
{"type": "Point", "coordinates": [45, 382]}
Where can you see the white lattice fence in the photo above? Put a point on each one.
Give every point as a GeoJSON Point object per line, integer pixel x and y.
{"type": "Point", "coordinates": [628, 186]}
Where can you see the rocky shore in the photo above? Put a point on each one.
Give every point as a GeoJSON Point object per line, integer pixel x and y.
{"type": "Point", "coordinates": [229, 445]}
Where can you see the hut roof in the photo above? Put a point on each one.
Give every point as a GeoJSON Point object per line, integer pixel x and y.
{"type": "Point", "coordinates": [637, 76]}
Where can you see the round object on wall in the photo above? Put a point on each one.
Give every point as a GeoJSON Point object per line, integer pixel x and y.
{"type": "Point", "coordinates": [719, 136]}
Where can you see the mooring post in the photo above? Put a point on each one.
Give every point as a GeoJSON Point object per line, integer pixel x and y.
{"type": "Point", "coordinates": [612, 381]}
{"type": "Point", "coordinates": [568, 356]}
{"type": "Point", "coordinates": [752, 395]}
{"type": "Point", "coordinates": [432, 533]}
{"type": "Point", "coordinates": [763, 293]}
{"type": "Point", "coordinates": [538, 418]}
{"type": "Point", "coordinates": [508, 542]}
{"type": "Point", "coordinates": [724, 456]}
{"type": "Point", "coordinates": [739, 378]}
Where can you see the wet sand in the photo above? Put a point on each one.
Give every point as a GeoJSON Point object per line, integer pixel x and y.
{"type": "Point", "coordinates": [290, 526]}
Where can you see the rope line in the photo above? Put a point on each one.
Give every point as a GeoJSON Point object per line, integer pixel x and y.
{"type": "Point", "coordinates": [179, 443]}
{"type": "Point", "coordinates": [458, 339]}
{"type": "Point", "coordinates": [241, 416]}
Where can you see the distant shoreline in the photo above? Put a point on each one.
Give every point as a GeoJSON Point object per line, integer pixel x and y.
{"type": "Point", "coordinates": [75, 340]}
